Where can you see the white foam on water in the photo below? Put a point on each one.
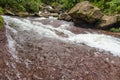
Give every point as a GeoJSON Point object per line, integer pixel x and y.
{"type": "Point", "coordinates": [26, 25]}
{"type": "Point", "coordinates": [53, 18]}
{"type": "Point", "coordinates": [100, 41]}
{"type": "Point", "coordinates": [61, 28]}
{"type": "Point", "coordinates": [11, 42]}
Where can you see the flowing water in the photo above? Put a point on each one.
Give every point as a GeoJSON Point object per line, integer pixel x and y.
{"type": "Point", "coordinates": [28, 37]}
{"type": "Point", "coordinates": [21, 29]}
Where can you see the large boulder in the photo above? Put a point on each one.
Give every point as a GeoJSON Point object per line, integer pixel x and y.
{"type": "Point", "coordinates": [107, 21]}
{"type": "Point", "coordinates": [85, 11]}
{"type": "Point", "coordinates": [118, 17]}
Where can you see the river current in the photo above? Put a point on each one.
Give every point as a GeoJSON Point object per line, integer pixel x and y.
{"type": "Point", "coordinates": [22, 28]}
{"type": "Point", "coordinates": [50, 49]}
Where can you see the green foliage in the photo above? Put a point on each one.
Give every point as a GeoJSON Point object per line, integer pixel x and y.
{"type": "Point", "coordinates": [1, 10]}
{"type": "Point", "coordinates": [31, 5]}
{"type": "Point", "coordinates": [108, 6]}
{"type": "Point", "coordinates": [115, 29]}
{"type": "Point", "coordinates": [1, 22]}
{"type": "Point", "coordinates": [68, 4]}
{"type": "Point", "coordinates": [99, 3]}
{"type": "Point", "coordinates": [21, 5]}
{"type": "Point", "coordinates": [48, 1]}
{"type": "Point", "coordinates": [113, 6]}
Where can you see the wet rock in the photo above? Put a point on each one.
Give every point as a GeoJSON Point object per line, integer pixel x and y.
{"type": "Point", "coordinates": [46, 14]}
{"type": "Point", "coordinates": [53, 11]}
{"type": "Point", "coordinates": [108, 21]}
{"type": "Point", "coordinates": [43, 14]}
{"type": "Point", "coordinates": [53, 8]}
{"type": "Point", "coordinates": [85, 11]}
{"type": "Point", "coordinates": [65, 16]}
{"type": "Point", "coordinates": [8, 12]}
{"type": "Point", "coordinates": [3, 54]}
{"type": "Point", "coordinates": [54, 14]}
{"type": "Point", "coordinates": [22, 14]}
{"type": "Point", "coordinates": [47, 10]}
{"type": "Point", "coordinates": [118, 17]}
{"type": "Point", "coordinates": [115, 34]}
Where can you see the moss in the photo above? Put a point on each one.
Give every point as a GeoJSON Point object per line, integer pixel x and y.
{"type": "Point", "coordinates": [90, 14]}
{"type": "Point", "coordinates": [1, 22]}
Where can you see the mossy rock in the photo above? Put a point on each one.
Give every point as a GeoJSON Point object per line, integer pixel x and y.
{"type": "Point", "coordinates": [85, 11]}
{"type": "Point", "coordinates": [1, 22]}
{"type": "Point", "coordinates": [22, 14]}
{"type": "Point", "coordinates": [9, 12]}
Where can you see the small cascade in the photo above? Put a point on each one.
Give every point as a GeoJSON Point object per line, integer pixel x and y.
{"type": "Point", "coordinates": [11, 41]}
{"type": "Point", "coordinates": [49, 49]}
{"type": "Point", "coordinates": [24, 29]}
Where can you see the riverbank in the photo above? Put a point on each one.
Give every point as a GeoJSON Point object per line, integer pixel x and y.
{"type": "Point", "coordinates": [4, 54]}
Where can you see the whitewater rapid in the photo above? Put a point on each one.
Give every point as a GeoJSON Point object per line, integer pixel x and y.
{"type": "Point", "coordinates": [35, 28]}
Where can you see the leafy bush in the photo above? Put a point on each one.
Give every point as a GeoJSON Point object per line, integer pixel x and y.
{"type": "Point", "coordinates": [21, 5]}
{"type": "Point", "coordinates": [48, 1]}
{"type": "Point", "coordinates": [31, 5]}
{"type": "Point", "coordinates": [68, 4]}
{"type": "Point", "coordinates": [108, 6]}
{"type": "Point", "coordinates": [113, 6]}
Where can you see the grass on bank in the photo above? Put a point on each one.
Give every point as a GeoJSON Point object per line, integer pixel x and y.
{"type": "Point", "coordinates": [21, 5]}
{"type": "Point", "coordinates": [1, 22]}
